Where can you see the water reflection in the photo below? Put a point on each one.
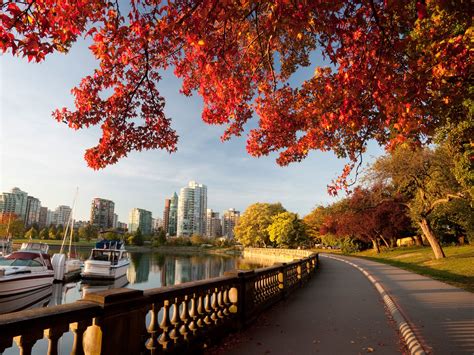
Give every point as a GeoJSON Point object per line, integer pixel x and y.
{"type": "Point", "coordinates": [27, 300]}
{"type": "Point", "coordinates": [146, 270]}
{"type": "Point", "coordinates": [90, 286]}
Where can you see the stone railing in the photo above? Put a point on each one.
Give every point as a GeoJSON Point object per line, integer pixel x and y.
{"type": "Point", "coordinates": [176, 319]}
{"type": "Point", "coordinates": [274, 254]}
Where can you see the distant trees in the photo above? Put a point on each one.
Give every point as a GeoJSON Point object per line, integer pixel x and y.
{"type": "Point", "coordinates": [44, 234]}
{"type": "Point", "coordinates": [11, 225]}
{"type": "Point", "coordinates": [160, 237]}
{"type": "Point", "coordinates": [88, 232]}
{"type": "Point", "coordinates": [266, 224]}
{"type": "Point", "coordinates": [110, 235]}
{"type": "Point", "coordinates": [287, 230]}
{"type": "Point", "coordinates": [52, 232]}
{"type": "Point", "coordinates": [252, 228]}
{"type": "Point", "coordinates": [32, 233]}
{"type": "Point", "coordinates": [136, 238]}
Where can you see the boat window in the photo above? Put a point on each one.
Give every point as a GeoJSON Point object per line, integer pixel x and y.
{"type": "Point", "coordinates": [5, 262]}
{"type": "Point", "coordinates": [35, 263]}
{"type": "Point", "coordinates": [100, 255]}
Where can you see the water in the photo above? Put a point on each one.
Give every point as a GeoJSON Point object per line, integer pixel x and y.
{"type": "Point", "coordinates": [146, 270]}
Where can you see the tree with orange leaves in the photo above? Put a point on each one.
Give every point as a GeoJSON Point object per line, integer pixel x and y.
{"type": "Point", "coordinates": [393, 69]}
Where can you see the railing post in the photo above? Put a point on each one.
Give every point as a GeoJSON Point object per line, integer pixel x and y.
{"type": "Point", "coordinates": [245, 295]}
{"type": "Point", "coordinates": [282, 280]}
{"type": "Point", "coordinates": [27, 341]}
{"type": "Point", "coordinates": [122, 322]}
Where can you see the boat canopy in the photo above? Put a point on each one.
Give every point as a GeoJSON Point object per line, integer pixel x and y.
{"type": "Point", "coordinates": [109, 244]}
{"type": "Point", "coordinates": [21, 258]}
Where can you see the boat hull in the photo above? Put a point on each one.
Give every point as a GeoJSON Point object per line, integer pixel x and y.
{"type": "Point", "coordinates": [100, 270]}
{"type": "Point", "coordinates": [15, 284]}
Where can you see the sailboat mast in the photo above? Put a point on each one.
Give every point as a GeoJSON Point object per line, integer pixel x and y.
{"type": "Point", "coordinates": [72, 222]}
{"type": "Point", "coordinates": [70, 225]}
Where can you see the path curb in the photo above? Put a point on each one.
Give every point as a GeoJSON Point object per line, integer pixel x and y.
{"type": "Point", "coordinates": [407, 333]}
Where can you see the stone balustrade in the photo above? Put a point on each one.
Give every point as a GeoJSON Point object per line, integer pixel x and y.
{"type": "Point", "coordinates": [274, 254]}
{"type": "Point", "coordinates": [175, 319]}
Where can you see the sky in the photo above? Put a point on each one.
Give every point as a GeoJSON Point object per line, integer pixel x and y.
{"type": "Point", "coordinates": [45, 158]}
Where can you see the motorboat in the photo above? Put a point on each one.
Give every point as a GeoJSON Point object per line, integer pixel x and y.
{"type": "Point", "coordinates": [25, 270]}
{"type": "Point", "coordinates": [66, 266]}
{"type": "Point", "coordinates": [108, 261]}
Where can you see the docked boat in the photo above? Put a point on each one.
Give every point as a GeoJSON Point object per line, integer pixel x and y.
{"type": "Point", "coordinates": [108, 261]}
{"type": "Point", "coordinates": [26, 270]}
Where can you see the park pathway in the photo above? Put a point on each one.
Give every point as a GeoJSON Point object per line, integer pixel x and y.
{"type": "Point", "coordinates": [441, 315]}
{"type": "Point", "coordinates": [337, 312]}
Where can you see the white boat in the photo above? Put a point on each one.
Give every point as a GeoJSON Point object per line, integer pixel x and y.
{"type": "Point", "coordinates": [25, 270]}
{"type": "Point", "coordinates": [66, 267]}
{"type": "Point", "coordinates": [108, 261]}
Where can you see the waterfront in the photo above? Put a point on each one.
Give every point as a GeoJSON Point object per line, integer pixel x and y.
{"type": "Point", "coordinates": [147, 270]}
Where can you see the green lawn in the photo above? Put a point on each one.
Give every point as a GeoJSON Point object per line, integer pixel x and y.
{"type": "Point", "coordinates": [456, 269]}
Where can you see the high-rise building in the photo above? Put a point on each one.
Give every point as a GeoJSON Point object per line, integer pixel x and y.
{"type": "Point", "coordinates": [142, 219]}
{"type": "Point", "coordinates": [43, 217]}
{"type": "Point", "coordinates": [49, 218]}
{"type": "Point", "coordinates": [173, 216]}
{"type": "Point", "coordinates": [102, 213]}
{"type": "Point", "coordinates": [14, 202]}
{"type": "Point", "coordinates": [230, 218]}
{"type": "Point", "coordinates": [61, 215]}
{"type": "Point", "coordinates": [33, 206]}
{"type": "Point", "coordinates": [115, 223]}
{"type": "Point", "coordinates": [122, 226]}
{"type": "Point", "coordinates": [157, 223]}
{"type": "Point", "coordinates": [192, 206]}
{"type": "Point", "coordinates": [166, 214]}
{"type": "Point", "coordinates": [213, 224]}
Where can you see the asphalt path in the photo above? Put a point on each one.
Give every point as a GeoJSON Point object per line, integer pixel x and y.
{"type": "Point", "coordinates": [441, 315]}
{"type": "Point", "coordinates": [337, 312]}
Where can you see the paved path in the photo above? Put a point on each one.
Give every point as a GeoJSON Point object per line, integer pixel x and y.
{"type": "Point", "coordinates": [340, 312]}
{"type": "Point", "coordinates": [337, 312]}
{"type": "Point", "coordinates": [441, 315]}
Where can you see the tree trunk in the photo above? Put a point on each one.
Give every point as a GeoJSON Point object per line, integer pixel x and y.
{"type": "Point", "coordinates": [418, 241]}
{"type": "Point", "coordinates": [384, 241]}
{"type": "Point", "coordinates": [376, 245]}
{"type": "Point", "coordinates": [429, 234]}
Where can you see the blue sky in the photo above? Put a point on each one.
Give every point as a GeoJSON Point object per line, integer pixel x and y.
{"type": "Point", "coordinates": [45, 158]}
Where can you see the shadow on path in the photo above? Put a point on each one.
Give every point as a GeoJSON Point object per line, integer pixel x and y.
{"type": "Point", "coordinates": [337, 312]}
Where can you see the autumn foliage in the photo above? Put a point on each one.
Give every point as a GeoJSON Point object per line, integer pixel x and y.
{"type": "Point", "coordinates": [391, 69]}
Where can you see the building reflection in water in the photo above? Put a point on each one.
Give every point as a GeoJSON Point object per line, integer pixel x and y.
{"type": "Point", "coordinates": [177, 269]}
{"type": "Point", "coordinates": [139, 268]}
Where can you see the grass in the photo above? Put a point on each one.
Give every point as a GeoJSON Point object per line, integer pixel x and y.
{"type": "Point", "coordinates": [456, 269]}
